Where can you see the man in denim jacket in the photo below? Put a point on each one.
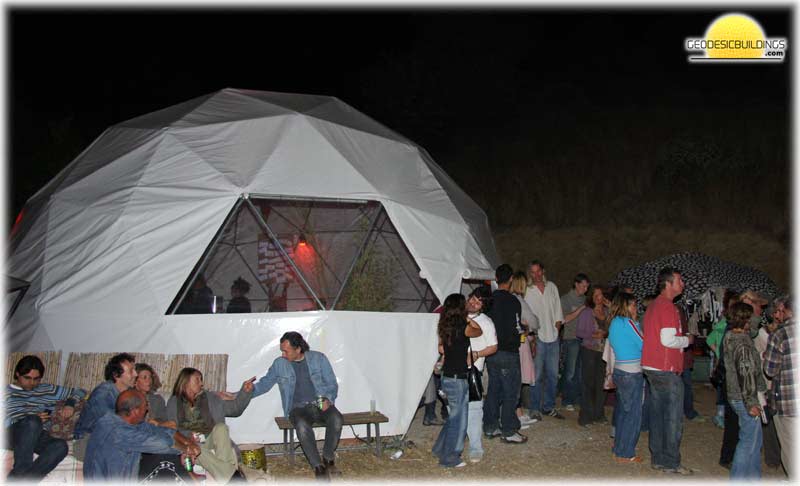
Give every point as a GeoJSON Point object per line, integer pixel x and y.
{"type": "Point", "coordinates": [308, 391]}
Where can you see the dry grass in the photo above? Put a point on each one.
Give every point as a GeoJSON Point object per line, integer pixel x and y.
{"type": "Point", "coordinates": [603, 251]}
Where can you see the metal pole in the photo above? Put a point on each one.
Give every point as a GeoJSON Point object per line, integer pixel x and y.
{"type": "Point", "coordinates": [277, 243]}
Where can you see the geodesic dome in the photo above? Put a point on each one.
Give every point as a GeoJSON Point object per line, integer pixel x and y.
{"type": "Point", "coordinates": [306, 199]}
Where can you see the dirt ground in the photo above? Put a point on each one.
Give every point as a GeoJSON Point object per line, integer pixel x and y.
{"type": "Point", "coordinates": [556, 449]}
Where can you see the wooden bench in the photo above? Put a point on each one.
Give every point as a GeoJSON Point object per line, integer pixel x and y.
{"type": "Point", "coordinates": [359, 418]}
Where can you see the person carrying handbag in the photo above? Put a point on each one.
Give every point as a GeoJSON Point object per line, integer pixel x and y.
{"type": "Point", "coordinates": [454, 328]}
{"type": "Point", "coordinates": [481, 346]}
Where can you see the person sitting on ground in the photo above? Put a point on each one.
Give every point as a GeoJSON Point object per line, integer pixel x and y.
{"type": "Point", "coordinates": [147, 382]}
{"type": "Point", "coordinates": [29, 404]}
{"type": "Point", "coordinates": [308, 389]}
{"type": "Point", "coordinates": [239, 303]}
{"type": "Point", "coordinates": [744, 380]}
{"type": "Point", "coordinates": [119, 438]}
{"type": "Point", "coordinates": [201, 413]}
{"type": "Point", "coordinates": [120, 374]}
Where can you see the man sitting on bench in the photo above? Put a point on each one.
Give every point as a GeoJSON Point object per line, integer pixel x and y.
{"type": "Point", "coordinates": [308, 391]}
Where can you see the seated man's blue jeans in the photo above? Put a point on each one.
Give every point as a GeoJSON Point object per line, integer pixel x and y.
{"type": "Point", "coordinates": [628, 410]}
{"type": "Point", "coordinates": [572, 371]}
{"type": "Point", "coordinates": [302, 417]}
{"type": "Point", "coordinates": [666, 418]}
{"type": "Point", "coordinates": [546, 364]}
{"type": "Point", "coordinates": [27, 436]}
{"type": "Point", "coordinates": [747, 458]}
{"type": "Point", "coordinates": [502, 395]}
{"type": "Point", "coordinates": [450, 443]}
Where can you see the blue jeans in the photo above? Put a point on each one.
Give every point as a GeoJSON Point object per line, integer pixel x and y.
{"type": "Point", "coordinates": [546, 364]}
{"type": "Point", "coordinates": [747, 458]}
{"type": "Point", "coordinates": [450, 443]}
{"type": "Point", "coordinates": [302, 417]}
{"type": "Point", "coordinates": [572, 371]}
{"type": "Point", "coordinates": [646, 407]}
{"type": "Point", "coordinates": [688, 395]}
{"type": "Point", "coordinates": [666, 418]}
{"type": "Point", "coordinates": [628, 410]}
{"type": "Point", "coordinates": [503, 393]}
{"type": "Point", "coordinates": [475, 429]}
{"type": "Point", "coordinates": [27, 436]}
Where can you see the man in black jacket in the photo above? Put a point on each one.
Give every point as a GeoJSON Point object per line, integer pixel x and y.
{"type": "Point", "coordinates": [504, 371]}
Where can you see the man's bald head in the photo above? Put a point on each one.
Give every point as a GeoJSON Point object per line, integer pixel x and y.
{"type": "Point", "coordinates": [129, 403]}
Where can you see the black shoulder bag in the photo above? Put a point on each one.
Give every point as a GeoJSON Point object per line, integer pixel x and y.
{"type": "Point", "coordinates": [474, 381]}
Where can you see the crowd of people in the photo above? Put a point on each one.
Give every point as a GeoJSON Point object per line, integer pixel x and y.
{"type": "Point", "coordinates": [592, 337]}
{"type": "Point", "coordinates": [491, 343]}
{"type": "Point", "coordinates": [126, 432]}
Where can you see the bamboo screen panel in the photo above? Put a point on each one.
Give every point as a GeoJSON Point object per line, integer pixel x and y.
{"type": "Point", "coordinates": [86, 370]}
{"type": "Point", "coordinates": [51, 360]}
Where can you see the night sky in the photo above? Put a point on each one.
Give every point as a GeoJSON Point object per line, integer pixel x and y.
{"type": "Point", "coordinates": [482, 90]}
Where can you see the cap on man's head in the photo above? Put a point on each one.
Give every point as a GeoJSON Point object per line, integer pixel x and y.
{"type": "Point", "coordinates": [754, 297]}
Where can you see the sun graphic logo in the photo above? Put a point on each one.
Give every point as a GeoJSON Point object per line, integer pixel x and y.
{"type": "Point", "coordinates": [736, 37]}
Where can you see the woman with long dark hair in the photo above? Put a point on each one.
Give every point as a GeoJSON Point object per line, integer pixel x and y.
{"type": "Point", "coordinates": [454, 330]}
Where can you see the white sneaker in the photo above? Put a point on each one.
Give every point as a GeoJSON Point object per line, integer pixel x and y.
{"type": "Point", "coordinates": [515, 439]}
{"type": "Point", "coordinates": [461, 464]}
{"type": "Point", "coordinates": [524, 419]}
{"type": "Point", "coordinates": [475, 459]}
{"type": "Point", "coordinates": [569, 408]}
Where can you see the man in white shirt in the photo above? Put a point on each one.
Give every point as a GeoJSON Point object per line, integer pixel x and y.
{"type": "Point", "coordinates": [482, 346]}
{"type": "Point", "coordinates": [543, 298]}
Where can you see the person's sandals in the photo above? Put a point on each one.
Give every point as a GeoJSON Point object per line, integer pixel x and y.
{"type": "Point", "coordinates": [627, 460]}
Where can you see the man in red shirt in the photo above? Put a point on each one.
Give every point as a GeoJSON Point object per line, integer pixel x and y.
{"type": "Point", "coordinates": [662, 362]}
